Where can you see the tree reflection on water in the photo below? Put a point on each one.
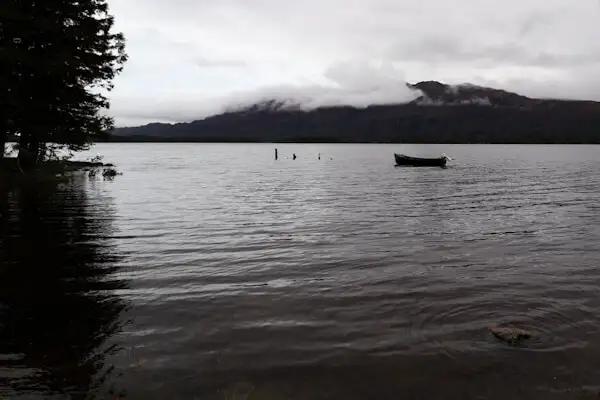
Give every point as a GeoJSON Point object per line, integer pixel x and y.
{"type": "Point", "coordinates": [59, 284]}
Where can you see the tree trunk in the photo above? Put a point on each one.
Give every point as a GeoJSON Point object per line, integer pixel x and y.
{"type": "Point", "coordinates": [2, 145]}
{"type": "Point", "coordinates": [37, 150]}
{"type": "Point", "coordinates": [27, 157]}
{"type": "Point", "coordinates": [3, 138]}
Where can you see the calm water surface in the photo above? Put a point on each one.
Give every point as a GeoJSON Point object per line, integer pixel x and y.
{"type": "Point", "coordinates": [211, 271]}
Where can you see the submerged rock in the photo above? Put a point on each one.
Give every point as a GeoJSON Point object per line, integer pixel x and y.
{"type": "Point", "coordinates": [510, 334]}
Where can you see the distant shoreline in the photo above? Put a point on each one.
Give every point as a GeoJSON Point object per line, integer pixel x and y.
{"type": "Point", "coordinates": [162, 139]}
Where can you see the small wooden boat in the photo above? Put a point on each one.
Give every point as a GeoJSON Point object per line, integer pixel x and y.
{"type": "Point", "coordinates": [402, 159]}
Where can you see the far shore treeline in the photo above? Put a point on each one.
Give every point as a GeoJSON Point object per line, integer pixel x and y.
{"type": "Point", "coordinates": [442, 114]}
{"type": "Point", "coordinates": [57, 63]}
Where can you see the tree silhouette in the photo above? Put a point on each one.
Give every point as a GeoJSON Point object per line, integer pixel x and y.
{"type": "Point", "coordinates": [57, 58]}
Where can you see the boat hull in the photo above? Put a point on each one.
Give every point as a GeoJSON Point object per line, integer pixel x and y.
{"type": "Point", "coordinates": [401, 159]}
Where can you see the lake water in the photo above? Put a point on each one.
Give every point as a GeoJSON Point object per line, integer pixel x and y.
{"type": "Point", "coordinates": [212, 271]}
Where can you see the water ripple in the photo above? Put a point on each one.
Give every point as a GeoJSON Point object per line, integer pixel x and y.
{"type": "Point", "coordinates": [292, 263]}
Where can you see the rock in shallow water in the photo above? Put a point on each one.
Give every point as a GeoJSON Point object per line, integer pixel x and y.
{"type": "Point", "coordinates": [510, 334]}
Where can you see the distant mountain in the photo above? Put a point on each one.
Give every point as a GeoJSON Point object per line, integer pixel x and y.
{"type": "Point", "coordinates": [440, 114]}
{"type": "Point", "coordinates": [436, 93]}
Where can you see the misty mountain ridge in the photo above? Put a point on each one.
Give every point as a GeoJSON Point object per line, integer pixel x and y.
{"type": "Point", "coordinates": [432, 93]}
{"type": "Point", "coordinates": [439, 94]}
{"type": "Point", "coordinates": [463, 113]}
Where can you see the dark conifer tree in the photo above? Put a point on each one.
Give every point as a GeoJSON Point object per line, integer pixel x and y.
{"type": "Point", "coordinates": [57, 62]}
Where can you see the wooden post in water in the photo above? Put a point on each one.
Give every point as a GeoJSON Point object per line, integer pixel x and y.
{"type": "Point", "coordinates": [275, 154]}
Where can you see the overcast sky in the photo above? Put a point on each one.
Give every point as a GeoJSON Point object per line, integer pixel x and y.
{"type": "Point", "coordinates": [189, 58]}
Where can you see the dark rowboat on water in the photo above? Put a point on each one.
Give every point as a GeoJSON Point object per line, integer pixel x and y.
{"type": "Point", "coordinates": [401, 159]}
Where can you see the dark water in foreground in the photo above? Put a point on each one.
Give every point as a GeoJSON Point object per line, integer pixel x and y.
{"type": "Point", "coordinates": [212, 272]}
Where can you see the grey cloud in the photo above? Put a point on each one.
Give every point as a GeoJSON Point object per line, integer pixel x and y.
{"type": "Point", "coordinates": [453, 50]}
{"type": "Point", "coordinates": [350, 51]}
{"type": "Point", "coordinates": [203, 62]}
{"type": "Point", "coordinates": [357, 84]}
{"type": "Point", "coordinates": [535, 21]}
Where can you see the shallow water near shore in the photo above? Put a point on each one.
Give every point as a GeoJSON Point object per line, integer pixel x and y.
{"type": "Point", "coordinates": [212, 271]}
